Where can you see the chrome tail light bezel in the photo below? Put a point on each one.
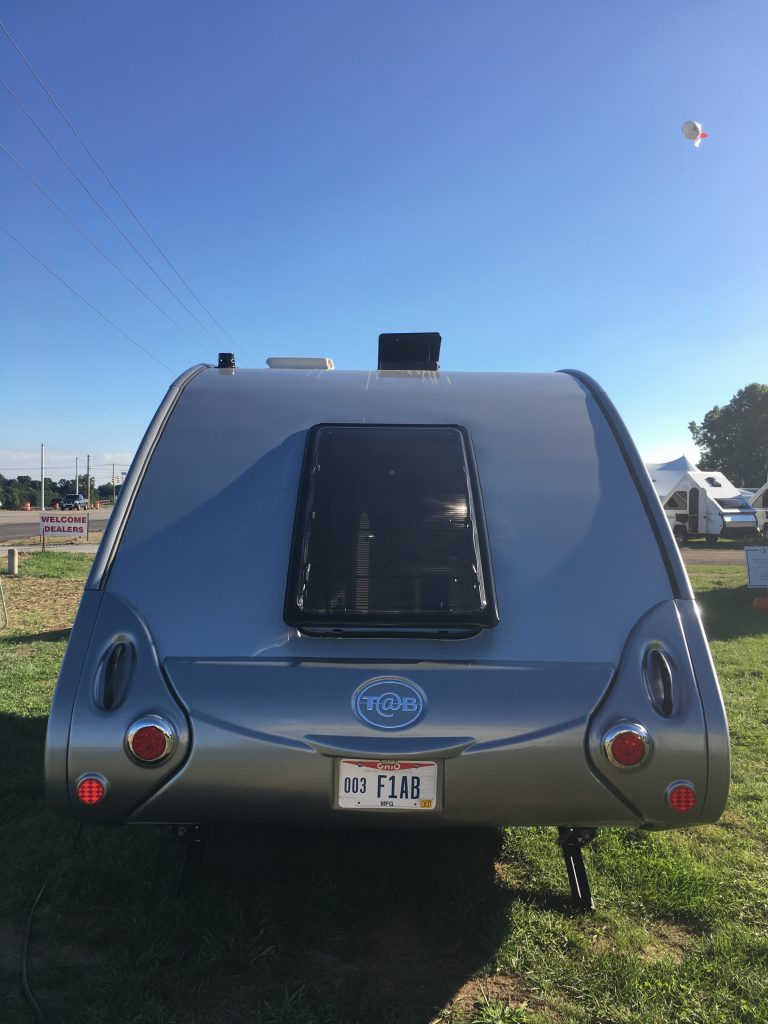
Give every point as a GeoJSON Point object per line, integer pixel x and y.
{"type": "Point", "coordinates": [634, 729]}
{"type": "Point", "coordinates": [155, 722]}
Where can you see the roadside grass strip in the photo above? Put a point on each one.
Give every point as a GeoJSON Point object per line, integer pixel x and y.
{"type": "Point", "coordinates": [311, 927]}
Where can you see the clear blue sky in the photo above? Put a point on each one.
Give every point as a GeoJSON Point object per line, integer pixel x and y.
{"type": "Point", "coordinates": [510, 173]}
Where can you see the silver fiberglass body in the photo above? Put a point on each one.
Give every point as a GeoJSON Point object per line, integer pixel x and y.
{"type": "Point", "coordinates": [585, 622]}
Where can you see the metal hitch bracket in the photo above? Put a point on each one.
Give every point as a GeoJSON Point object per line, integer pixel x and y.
{"type": "Point", "coordinates": [194, 837]}
{"type": "Point", "coordinates": [571, 841]}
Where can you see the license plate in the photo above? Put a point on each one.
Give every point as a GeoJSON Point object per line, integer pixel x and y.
{"type": "Point", "coordinates": [388, 785]}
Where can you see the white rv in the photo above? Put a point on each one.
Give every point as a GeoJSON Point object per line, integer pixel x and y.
{"type": "Point", "coordinates": [759, 502]}
{"type": "Point", "coordinates": [701, 503]}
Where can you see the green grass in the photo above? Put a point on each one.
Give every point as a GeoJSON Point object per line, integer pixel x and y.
{"type": "Point", "coordinates": [59, 565]}
{"type": "Point", "coordinates": [305, 927]}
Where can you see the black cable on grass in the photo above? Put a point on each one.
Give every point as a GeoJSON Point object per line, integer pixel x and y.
{"type": "Point", "coordinates": [39, 1015]}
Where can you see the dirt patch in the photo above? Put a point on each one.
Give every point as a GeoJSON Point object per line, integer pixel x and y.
{"type": "Point", "coordinates": [713, 556]}
{"type": "Point", "coordinates": [667, 940]}
{"type": "Point", "coordinates": [496, 988]}
{"type": "Point", "coordinates": [40, 605]}
{"type": "Point", "coordinates": [403, 950]}
{"type": "Point", "coordinates": [335, 968]}
{"type": "Point", "coordinates": [29, 540]}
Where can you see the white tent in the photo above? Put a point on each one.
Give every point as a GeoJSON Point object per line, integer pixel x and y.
{"type": "Point", "coordinates": [666, 475]}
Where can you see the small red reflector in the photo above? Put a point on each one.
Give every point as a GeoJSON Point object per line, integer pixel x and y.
{"type": "Point", "coordinates": [149, 743]}
{"type": "Point", "coordinates": [682, 798]}
{"type": "Point", "coordinates": [90, 791]}
{"type": "Point", "coordinates": [628, 748]}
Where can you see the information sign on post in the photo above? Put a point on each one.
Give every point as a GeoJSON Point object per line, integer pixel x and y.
{"type": "Point", "coordinates": [63, 524]}
{"type": "Point", "coordinates": [757, 566]}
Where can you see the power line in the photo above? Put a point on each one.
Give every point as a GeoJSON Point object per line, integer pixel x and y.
{"type": "Point", "coordinates": [89, 304]}
{"type": "Point", "coordinates": [82, 232]}
{"type": "Point", "coordinates": [106, 213]}
{"type": "Point", "coordinates": [117, 191]}
{"type": "Point", "coordinates": [98, 248]}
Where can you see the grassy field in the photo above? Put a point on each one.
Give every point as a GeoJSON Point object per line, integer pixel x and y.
{"type": "Point", "coordinates": [301, 927]}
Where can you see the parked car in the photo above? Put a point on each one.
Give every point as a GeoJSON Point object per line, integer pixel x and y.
{"type": "Point", "coordinates": [74, 501]}
{"type": "Point", "coordinates": [386, 633]}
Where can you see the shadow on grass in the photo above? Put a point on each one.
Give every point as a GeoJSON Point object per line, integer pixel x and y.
{"type": "Point", "coordinates": [21, 781]}
{"type": "Point", "coordinates": [383, 925]}
{"type": "Point", "coordinates": [723, 544]}
{"type": "Point", "coordinates": [728, 613]}
{"type": "Point", "coordinates": [300, 925]}
{"type": "Point", "coordinates": [284, 926]}
{"type": "Point", "coordinates": [54, 635]}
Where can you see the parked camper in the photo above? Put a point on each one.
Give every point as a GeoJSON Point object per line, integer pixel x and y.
{"type": "Point", "coordinates": [701, 503]}
{"type": "Point", "coordinates": [759, 502]}
{"type": "Point", "coordinates": [319, 600]}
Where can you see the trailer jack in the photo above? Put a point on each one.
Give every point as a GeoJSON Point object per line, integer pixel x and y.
{"type": "Point", "coordinates": [571, 841]}
{"type": "Point", "coordinates": [194, 838]}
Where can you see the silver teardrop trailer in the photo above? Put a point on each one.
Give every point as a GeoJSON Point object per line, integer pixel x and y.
{"type": "Point", "coordinates": [397, 597]}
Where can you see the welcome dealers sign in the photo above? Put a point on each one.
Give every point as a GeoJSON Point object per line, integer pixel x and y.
{"type": "Point", "coordinates": [61, 524]}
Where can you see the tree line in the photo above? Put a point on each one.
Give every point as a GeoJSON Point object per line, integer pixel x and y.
{"type": "Point", "coordinates": [733, 438]}
{"type": "Point", "coordinates": [16, 492]}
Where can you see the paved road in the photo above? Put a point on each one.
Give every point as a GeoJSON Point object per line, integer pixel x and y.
{"type": "Point", "coordinates": [18, 525]}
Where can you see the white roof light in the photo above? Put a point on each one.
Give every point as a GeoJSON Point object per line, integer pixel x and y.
{"type": "Point", "coordinates": [299, 363]}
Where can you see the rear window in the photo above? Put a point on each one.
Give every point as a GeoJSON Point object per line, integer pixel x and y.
{"type": "Point", "coordinates": [677, 501]}
{"type": "Point", "coordinates": [734, 503]}
{"type": "Point", "coordinates": [389, 535]}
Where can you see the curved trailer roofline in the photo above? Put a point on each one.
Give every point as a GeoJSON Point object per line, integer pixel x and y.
{"type": "Point", "coordinates": [121, 511]}
{"type": "Point", "coordinates": [678, 577]}
{"type": "Point", "coordinates": [671, 558]}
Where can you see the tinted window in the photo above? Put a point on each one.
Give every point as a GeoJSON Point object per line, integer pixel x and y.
{"type": "Point", "coordinates": [389, 533]}
{"type": "Point", "coordinates": [733, 503]}
{"type": "Point", "coordinates": [677, 501]}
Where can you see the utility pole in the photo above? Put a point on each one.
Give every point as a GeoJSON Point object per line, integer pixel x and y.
{"type": "Point", "coordinates": [88, 474]}
{"type": "Point", "coordinates": [42, 478]}
{"type": "Point", "coordinates": [113, 483]}
{"type": "Point", "coordinates": [77, 485]}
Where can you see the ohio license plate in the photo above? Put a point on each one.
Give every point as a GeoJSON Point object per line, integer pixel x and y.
{"type": "Point", "coordinates": [389, 785]}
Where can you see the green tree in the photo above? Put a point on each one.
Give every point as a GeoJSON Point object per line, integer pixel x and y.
{"type": "Point", "coordinates": [734, 438]}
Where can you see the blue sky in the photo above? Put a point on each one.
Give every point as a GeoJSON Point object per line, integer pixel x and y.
{"type": "Point", "coordinates": [511, 174]}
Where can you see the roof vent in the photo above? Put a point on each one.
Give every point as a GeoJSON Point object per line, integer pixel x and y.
{"type": "Point", "coordinates": [409, 351]}
{"type": "Point", "coordinates": [299, 363]}
{"type": "Point", "coordinates": [227, 360]}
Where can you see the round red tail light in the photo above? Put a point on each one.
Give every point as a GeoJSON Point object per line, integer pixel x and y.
{"type": "Point", "coordinates": [150, 740]}
{"type": "Point", "coordinates": [627, 746]}
{"type": "Point", "coordinates": [681, 797]}
{"type": "Point", "coordinates": [91, 789]}
{"type": "Point", "coordinates": [628, 749]}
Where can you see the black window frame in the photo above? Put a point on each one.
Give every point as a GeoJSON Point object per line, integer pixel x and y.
{"type": "Point", "coordinates": [404, 624]}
